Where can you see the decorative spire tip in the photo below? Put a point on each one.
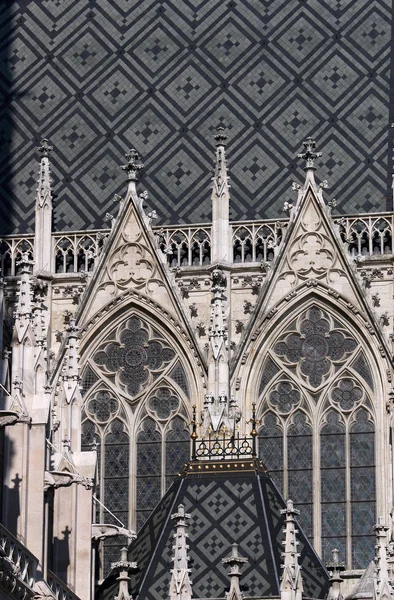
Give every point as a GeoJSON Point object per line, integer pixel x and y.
{"type": "Point", "coordinates": [44, 148]}
{"type": "Point", "coordinates": [309, 154]}
{"type": "Point", "coordinates": [220, 136]}
{"type": "Point", "coordinates": [133, 165]}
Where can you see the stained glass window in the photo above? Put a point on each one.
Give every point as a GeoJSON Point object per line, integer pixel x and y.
{"type": "Point", "coordinates": [179, 376]}
{"type": "Point", "coordinates": [269, 372]}
{"type": "Point", "coordinates": [362, 471]}
{"type": "Point", "coordinates": [361, 366]}
{"type": "Point", "coordinates": [300, 469]}
{"type": "Point", "coordinates": [177, 448]}
{"type": "Point", "coordinates": [333, 485]}
{"type": "Point", "coordinates": [89, 378]}
{"type": "Point", "coordinates": [149, 469]}
{"type": "Point", "coordinates": [271, 448]}
{"type": "Point", "coordinates": [116, 484]}
{"type": "Point", "coordinates": [284, 397]}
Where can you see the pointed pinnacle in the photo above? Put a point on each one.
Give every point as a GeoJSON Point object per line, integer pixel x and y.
{"type": "Point", "coordinates": [133, 165]}
{"type": "Point", "coordinates": [44, 149]}
{"type": "Point", "coordinates": [220, 137]}
{"type": "Point", "coordinates": [309, 155]}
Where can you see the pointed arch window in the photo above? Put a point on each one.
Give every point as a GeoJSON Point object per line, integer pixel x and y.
{"type": "Point", "coordinates": [362, 470]}
{"type": "Point", "coordinates": [333, 485]}
{"type": "Point", "coordinates": [271, 447]}
{"type": "Point", "coordinates": [163, 447]}
{"type": "Point", "coordinates": [103, 428]}
{"type": "Point", "coordinates": [299, 456]}
{"type": "Point", "coordinates": [315, 389]}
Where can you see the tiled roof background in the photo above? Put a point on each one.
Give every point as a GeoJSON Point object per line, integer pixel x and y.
{"type": "Point", "coordinates": [98, 77]}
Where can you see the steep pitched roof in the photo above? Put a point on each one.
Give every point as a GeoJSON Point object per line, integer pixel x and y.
{"type": "Point", "coordinates": [228, 502]}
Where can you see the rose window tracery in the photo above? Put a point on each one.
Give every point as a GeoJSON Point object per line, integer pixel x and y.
{"type": "Point", "coordinates": [347, 394]}
{"type": "Point", "coordinates": [135, 356]}
{"type": "Point", "coordinates": [163, 403]}
{"type": "Point", "coordinates": [284, 397]}
{"type": "Point", "coordinates": [103, 406]}
{"type": "Point", "coordinates": [315, 346]}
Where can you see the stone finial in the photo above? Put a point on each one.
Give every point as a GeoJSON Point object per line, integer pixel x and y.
{"type": "Point", "coordinates": [70, 371]}
{"type": "Point", "coordinates": [180, 585]}
{"type": "Point", "coordinates": [133, 165]}
{"type": "Point", "coordinates": [235, 561]}
{"type": "Point", "coordinates": [44, 148]}
{"type": "Point", "coordinates": [291, 587]}
{"type": "Point", "coordinates": [124, 567]}
{"type": "Point", "coordinates": [220, 137]}
{"type": "Point", "coordinates": [382, 584]}
{"type": "Point", "coordinates": [335, 569]}
{"type": "Point", "coordinates": [309, 154]}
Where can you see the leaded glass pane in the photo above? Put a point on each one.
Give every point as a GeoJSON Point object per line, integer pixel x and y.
{"type": "Point", "coordinates": [148, 467]}
{"type": "Point", "coordinates": [269, 372]}
{"type": "Point", "coordinates": [363, 483]}
{"type": "Point", "coordinates": [179, 376]}
{"type": "Point", "coordinates": [334, 519]}
{"type": "Point", "coordinates": [177, 449]}
{"type": "Point", "coordinates": [300, 469]}
{"type": "Point", "coordinates": [271, 448]}
{"type": "Point", "coordinates": [331, 543]}
{"type": "Point", "coordinates": [363, 514]}
{"type": "Point", "coordinates": [89, 378]}
{"type": "Point", "coordinates": [333, 485]}
{"type": "Point", "coordinates": [361, 366]}
{"type": "Point", "coordinates": [362, 551]}
{"type": "Point", "coordinates": [117, 452]}
{"type": "Point", "coordinates": [116, 469]}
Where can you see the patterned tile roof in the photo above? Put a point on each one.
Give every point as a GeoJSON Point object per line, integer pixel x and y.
{"type": "Point", "coordinates": [97, 78]}
{"type": "Point", "coordinates": [226, 507]}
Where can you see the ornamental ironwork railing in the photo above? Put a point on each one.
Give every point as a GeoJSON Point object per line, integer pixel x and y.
{"type": "Point", "coordinates": [23, 563]}
{"type": "Point", "coordinates": [221, 447]}
{"type": "Point", "coordinates": [59, 588]}
{"type": "Point", "coordinates": [190, 245]}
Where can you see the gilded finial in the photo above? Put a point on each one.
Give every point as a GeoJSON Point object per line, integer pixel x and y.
{"type": "Point", "coordinates": [309, 154]}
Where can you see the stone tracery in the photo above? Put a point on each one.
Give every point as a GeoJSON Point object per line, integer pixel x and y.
{"type": "Point", "coordinates": [137, 355]}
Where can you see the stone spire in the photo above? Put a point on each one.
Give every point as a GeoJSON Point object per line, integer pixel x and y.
{"type": "Point", "coordinates": [382, 585]}
{"type": "Point", "coordinates": [219, 409]}
{"type": "Point", "coordinates": [335, 569]}
{"type": "Point", "coordinates": [221, 247]}
{"type": "Point", "coordinates": [24, 305]}
{"type": "Point", "coordinates": [43, 218]}
{"type": "Point", "coordinates": [180, 586]}
{"type": "Point", "coordinates": [235, 561]}
{"type": "Point", "coordinates": [309, 155]}
{"type": "Point", "coordinates": [132, 168]}
{"type": "Point", "coordinates": [70, 373]}
{"type": "Point", "coordinates": [291, 587]}
{"type": "Point", "coordinates": [124, 567]}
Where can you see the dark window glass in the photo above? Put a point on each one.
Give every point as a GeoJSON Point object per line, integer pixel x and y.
{"type": "Point", "coordinates": [300, 470]}
{"type": "Point", "coordinates": [177, 449]}
{"type": "Point", "coordinates": [271, 448]}
{"type": "Point", "coordinates": [333, 485]}
{"type": "Point", "coordinates": [148, 470]}
{"type": "Point", "coordinates": [362, 473]}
